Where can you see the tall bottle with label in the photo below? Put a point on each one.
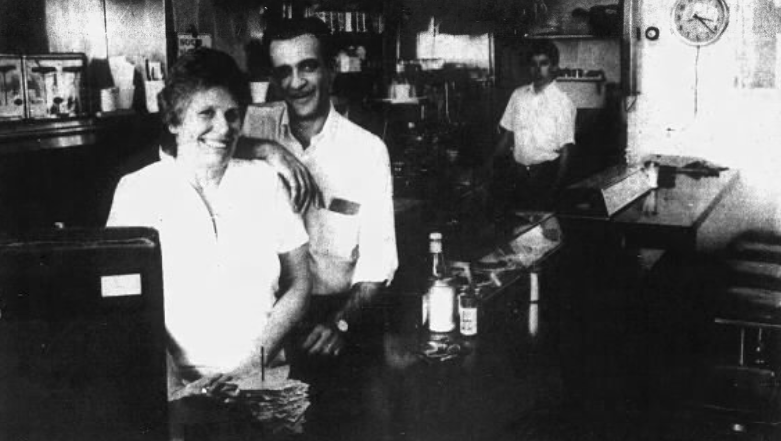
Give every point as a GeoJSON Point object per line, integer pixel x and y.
{"type": "Point", "coordinates": [439, 301]}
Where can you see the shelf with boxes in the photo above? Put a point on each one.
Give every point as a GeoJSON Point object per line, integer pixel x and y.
{"type": "Point", "coordinates": [358, 40]}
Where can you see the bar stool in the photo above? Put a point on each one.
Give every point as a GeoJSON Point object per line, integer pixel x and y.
{"type": "Point", "coordinates": [745, 380]}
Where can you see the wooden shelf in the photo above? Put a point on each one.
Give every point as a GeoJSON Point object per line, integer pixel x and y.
{"type": "Point", "coordinates": [25, 135]}
{"type": "Point", "coordinates": [569, 37]}
{"type": "Point", "coordinates": [581, 80]}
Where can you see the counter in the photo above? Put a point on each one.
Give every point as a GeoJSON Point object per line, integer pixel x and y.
{"type": "Point", "coordinates": [26, 136]}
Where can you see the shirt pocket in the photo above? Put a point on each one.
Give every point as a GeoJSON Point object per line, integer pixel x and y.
{"type": "Point", "coordinates": [333, 234]}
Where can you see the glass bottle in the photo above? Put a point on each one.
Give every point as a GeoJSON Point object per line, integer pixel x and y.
{"type": "Point", "coordinates": [438, 262]}
{"type": "Point", "coordinates": [439, 301]}
{"type": "Point", "coordinates": [467, 311]}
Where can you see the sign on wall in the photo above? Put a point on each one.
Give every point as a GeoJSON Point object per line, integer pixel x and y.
{"type": "Point", "coordinates": [187, 41]}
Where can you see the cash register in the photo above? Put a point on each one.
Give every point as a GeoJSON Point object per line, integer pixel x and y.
{"type": "Point", "coordinates": [82, 341]}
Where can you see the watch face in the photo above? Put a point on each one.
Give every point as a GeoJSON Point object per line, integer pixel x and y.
{"type": "Point", "coordinates": [700, 22]}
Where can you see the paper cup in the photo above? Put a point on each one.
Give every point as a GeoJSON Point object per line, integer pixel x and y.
{"type": "Point", "coordinates": [258, 90]}
{"type": "Point", "coordinates": [152, 88]}
{"type": "Point", "coordinates": [125, 98]}
{"type": "Point", "coordinates": [108, 99]}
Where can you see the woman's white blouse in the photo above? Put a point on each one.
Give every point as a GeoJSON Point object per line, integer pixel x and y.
{"type": "Point", "coordinates": [220, 274]}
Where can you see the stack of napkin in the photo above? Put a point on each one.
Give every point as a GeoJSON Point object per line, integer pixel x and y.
{"type": "Point", "coordinates": [277, 401]}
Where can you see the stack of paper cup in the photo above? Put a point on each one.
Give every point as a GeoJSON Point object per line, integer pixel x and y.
{"type": "Point", "coordinates": [125, 97]}
{"type": "Point", "coordinates": [122, 71]}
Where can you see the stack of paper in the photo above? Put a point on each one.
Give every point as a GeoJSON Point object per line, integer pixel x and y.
{"type": "Point", "coordinates": [278, 402]}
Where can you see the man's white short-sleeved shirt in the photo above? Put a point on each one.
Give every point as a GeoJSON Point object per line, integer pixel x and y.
{"type": "Point", "coordinates": [220, 274]}
{"type": "Point", "coordinates": [353, 238]}
{"type": "Point", "coordinates": [542, 123]}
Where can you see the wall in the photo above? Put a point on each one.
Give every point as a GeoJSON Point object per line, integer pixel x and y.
{"type": "Point", "coordinates": [689, 105]}
{"type": "Point", "coordinates": [228, 22]}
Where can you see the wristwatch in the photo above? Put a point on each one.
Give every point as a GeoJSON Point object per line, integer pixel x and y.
{"type": "Point", "coordinates": [342, 325]}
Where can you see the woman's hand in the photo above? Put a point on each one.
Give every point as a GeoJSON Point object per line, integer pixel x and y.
{"type": "Point", "coordinates": [217, 386]}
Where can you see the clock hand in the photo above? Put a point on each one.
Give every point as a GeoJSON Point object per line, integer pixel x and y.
{"type": "Point", "coordinates": [700, 19]}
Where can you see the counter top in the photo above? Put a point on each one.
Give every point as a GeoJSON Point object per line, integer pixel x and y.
{"type": "Point", "coordinates": [20, 136]}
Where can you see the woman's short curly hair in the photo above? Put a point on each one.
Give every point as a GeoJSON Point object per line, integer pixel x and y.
{"type": "Point", "coordinates": [198, 70]}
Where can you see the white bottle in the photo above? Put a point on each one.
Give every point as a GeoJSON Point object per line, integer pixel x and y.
{"type": "Point", "coordinates": [439, 301]}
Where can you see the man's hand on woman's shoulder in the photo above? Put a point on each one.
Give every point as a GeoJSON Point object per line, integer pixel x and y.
{"type": "Point", "coordinates": [300, 184]}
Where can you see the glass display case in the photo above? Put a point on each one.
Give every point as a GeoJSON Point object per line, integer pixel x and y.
{"type": "Point", "coordinates": [535, 236]}
{"type": "Point", "coordinates": [11, 93]}
{"type": "Point", "coordinates": [55, 85]}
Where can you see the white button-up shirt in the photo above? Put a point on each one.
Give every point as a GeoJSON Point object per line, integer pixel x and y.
{"type": "Point", "coordinates": [542, 123]}
{"type": "Point", "coordinates": [353, 238]}
{"type": "Point", "coordinates": [220, 273]}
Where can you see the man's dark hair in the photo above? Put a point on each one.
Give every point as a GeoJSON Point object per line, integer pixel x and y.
{"type": "Point", "coordinates": [287, 29]}
{"type": "Point", "coordinates": [198, 70]}
{"type": "Point", "coordinates": [545, 47]}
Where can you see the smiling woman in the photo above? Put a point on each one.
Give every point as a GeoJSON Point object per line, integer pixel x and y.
{"type": "Point", "coordinates": [230, 237]}
{"type": "Point", "coordinates": [200, 73]}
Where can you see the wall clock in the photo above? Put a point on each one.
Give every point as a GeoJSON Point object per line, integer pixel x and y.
{"type": "Point", "coordinates": [700, 22]}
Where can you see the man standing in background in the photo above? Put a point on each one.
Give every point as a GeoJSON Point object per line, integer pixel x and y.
{"type": "Point", "coordinates": [538, 129]}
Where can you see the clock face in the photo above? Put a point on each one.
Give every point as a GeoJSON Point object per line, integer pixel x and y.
{"type": "Point", "coordinates": [700, 22]}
